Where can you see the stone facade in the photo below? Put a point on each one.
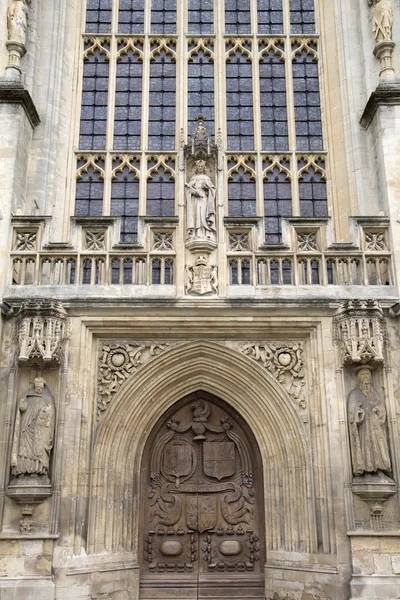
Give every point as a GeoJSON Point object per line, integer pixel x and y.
{"type": "Point", "coordinates": [116, 351]}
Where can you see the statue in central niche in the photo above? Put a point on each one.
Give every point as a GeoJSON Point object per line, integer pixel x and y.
{"type": "Point", "coordinates": [367, 428]}
{"type": "Point", "coordinates": [200, 198]}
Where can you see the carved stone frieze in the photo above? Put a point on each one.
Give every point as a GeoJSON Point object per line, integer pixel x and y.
{"type": "Point", "coordinates": [117, 362]}
{"type": "Point", "coordinates": [43, 332]}
{"type": "Point", "coordinates": [359, 330]}
{"type": "Point", "coordinates": [285, 362]}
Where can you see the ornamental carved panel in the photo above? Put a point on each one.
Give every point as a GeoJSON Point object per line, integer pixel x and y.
{"type": "Point", "coordinates": [202, 509]}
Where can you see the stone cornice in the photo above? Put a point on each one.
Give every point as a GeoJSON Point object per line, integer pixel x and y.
{"type": "Point", "coordinates": [13, 92]}
{"type": "Point", "coordinates": [387, 94]}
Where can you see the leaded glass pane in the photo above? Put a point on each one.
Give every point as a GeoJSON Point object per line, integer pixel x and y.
{"type": "Point", "coordinates": [98, 16]}
{"type": "Point", "coordinates": [128, 102]}
{"type": "Point", "coordinates": [274, 127]}
{"type": "Point", "coordinates": [237, 16]}
{"type": "Point", "coordinates": [161, 194]}
{"type": "Point", "coordinates": [125, 203]}
{"type": "Point", "coordinates": [313, 195]}
{"type": "Point", "coordinates": [242, 194]}
{"type": "Point", "coordinates": [270, 16]}
{"type": "Point", "coordinates": [239, 102]}
{"type": "Point", "coordinates": [302, 16]}
{"type": "Point", "coordinates": [89, 192]}
{"type": "Point", "coordinates": [307, 103]}
{"type": "Point", "coordinates": [93, 125]}
{"type": "Point", "coordinates": [201, 16]}
{"type": "Point", "coordinates": [131, 16]}
{"type": "Point", "coordinates": [163, 16]}
{"type": "Point", "coordinates": [201, 90]}
{"type": "Point", "coordinates": [162, 102]}
{"type": "Point", "coordinates": [277, 203]}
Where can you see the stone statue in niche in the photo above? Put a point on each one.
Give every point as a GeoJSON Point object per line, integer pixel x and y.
{"type": "Point", "coordinates": [367, 428]}
{"type": "Point", "coordinates": [33, 433]}
{"type": "Point", "coordinates": [382, 19]}
{"type": "Point", "coordinates": [17, 20]}
{"type": "Point", "coordinates": [200, 198]}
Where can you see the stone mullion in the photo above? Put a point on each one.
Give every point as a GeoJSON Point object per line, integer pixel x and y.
{"type": "Point", "coordinates": [290, 108]}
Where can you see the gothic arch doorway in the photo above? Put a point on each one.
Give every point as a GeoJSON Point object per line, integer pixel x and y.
{"type": "Point", "coordinates": [202, 505]}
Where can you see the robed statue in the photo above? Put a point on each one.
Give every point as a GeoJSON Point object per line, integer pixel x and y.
{"type": "Point", "coordinates": [200, 197]}
{"type": "Point", "coordinates": [17, 20]}
{"type": "Point", "coordinates": [367, 428]}
{"type": "Point", "coordinates": [382, 20]}
{"type": "Point", "coordinates": [34, 431]}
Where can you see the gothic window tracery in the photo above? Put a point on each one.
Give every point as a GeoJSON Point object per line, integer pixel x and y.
{"type": "Point", "coordinates": [150, 67]}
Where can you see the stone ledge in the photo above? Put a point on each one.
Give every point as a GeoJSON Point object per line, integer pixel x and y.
{"type": "Point", "coordinates": [387, 94]}
{"type": "Point", "coordinates": [13, 92]}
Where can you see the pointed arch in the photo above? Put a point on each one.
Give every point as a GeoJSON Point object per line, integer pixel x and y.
{"type": "Point", "coordinates": [248, 389]}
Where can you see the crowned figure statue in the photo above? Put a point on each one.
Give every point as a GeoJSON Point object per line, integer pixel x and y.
{"type": "Point", "coordinates": [200, 197]}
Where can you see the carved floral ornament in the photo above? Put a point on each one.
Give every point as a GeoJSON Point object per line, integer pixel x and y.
{"type": "Point", "coordinates": [359, 330]}
{"type": "Point", "coordinates": [43, 331]}
{"type": "Point", "coordinates": [120, 361]}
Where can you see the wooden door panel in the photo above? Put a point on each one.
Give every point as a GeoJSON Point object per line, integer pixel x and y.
{"type": "Point", "coordinates": [201, 513]}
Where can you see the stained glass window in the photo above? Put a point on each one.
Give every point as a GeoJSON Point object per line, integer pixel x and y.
{"type": "Point", "coordinates": [162, 102]}
{"type": "Point", "coordinates": [277, 203]}
{"type": "Point", "coordinates": [160, 193]}
{"type": "Point", "coordinates": [94, 99]}
{"type": "Point", "coordinates": [128, 101]}
{"type": "Point", "coordinates": [89, 190]}
{"type": "Point", "coordinates": [274, 126]}
{"type": "Point", "coordinates": [241, 193]}
{"type": "Point", "coordinates": [307, 102]}
{"type": "Point", "coordinates": [239, 102]}
{"type": "Point", "coordinates": [125, 203]}
{"type": "Point", "coordinates": [237, 16]}
{"type": "Point", "coordinates": [201, 89]}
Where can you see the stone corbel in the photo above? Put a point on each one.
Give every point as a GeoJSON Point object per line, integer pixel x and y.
{"type": "Point", "coordinates": [43, 332]}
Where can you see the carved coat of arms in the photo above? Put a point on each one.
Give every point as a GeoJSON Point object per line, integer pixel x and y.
{"type": "Point", "coordinates": [201, 278]}
{"type": "Point", "coordinates": [219, 459]}
{"type": "Point", "coordinates": [177, 460]}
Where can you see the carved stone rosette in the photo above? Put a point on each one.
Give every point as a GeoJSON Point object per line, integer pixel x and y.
{"type": "Point", "coordinates": [43, 332]}
{"type": "Point", "coordinates": [359, 330]}
{"type": "Point", "coordinates": [285, 362]}
{"type": "Point", "coordinates": [119, 361]}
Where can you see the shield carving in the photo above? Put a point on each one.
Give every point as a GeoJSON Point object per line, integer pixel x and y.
{"type": "Point", "coordinates": [202, 279]}
{"type": "Point", "coordinates": [219, 459]}
{"type": "Point", "coordinates": [201, 512]}
{"type": "Point", "coordinates": [177, 460]}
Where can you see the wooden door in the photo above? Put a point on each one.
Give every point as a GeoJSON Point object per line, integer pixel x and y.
{"type": "Point", "coordinates": [202, 521]}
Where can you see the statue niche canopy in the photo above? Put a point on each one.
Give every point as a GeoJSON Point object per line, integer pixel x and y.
{"type": "Point", "coordinates": [202, 516]}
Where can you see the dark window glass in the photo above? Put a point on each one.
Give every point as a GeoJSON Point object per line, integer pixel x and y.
{"type": "Point", "coordinates": [313, 195]}
{"type": "Point", "coordinates": [169, 272]}
{"type": "Point", "coordinates": [239, 102]}
{"type": "Point", "coordinates": [161, 194]}
{"type": "Point", "coordinates": [302, 17]}
{"type": "Point", "coordinates": [200, 16]}
{"type": "Point", "coordinates": [274, 127]}
{"type": "Point", "coordinates": [241, 194]}
{"type": "Point", "coordinates": [246, 272]}
{"type": "Point", "coordinates": [156, 271]}
{"type": "Point", "coordinates": [163, 16]}
{"type": "Point", "coordinates": [98, 16]}
{"type": "Point", "coordinates": [270, 16]}
{"type": "Point", "coordinates": [94, 102]}
{"type": "Point", "coordinates": [233, 271]}
{"type": "Point", "coordinates": [277, 203]}
{"type": "Point", "coordinates": [201, 90]}
{"type": "Point", "coordinates": [274, 272]}
{"type": "Point", "coordinates": [128, 102]}
{"type": "Point", "coordinates": [162, 102]}
{"type": "Point", "coordinates": [89, 192]}
{"type": "Point", "coordinates": [131, 16]}
{"type": "Point", "coordinates": [237, 16]}
{"type": "Point", "coordinates": [307, 103]}
{"type": "Point", "coordinates": [125, 203]}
